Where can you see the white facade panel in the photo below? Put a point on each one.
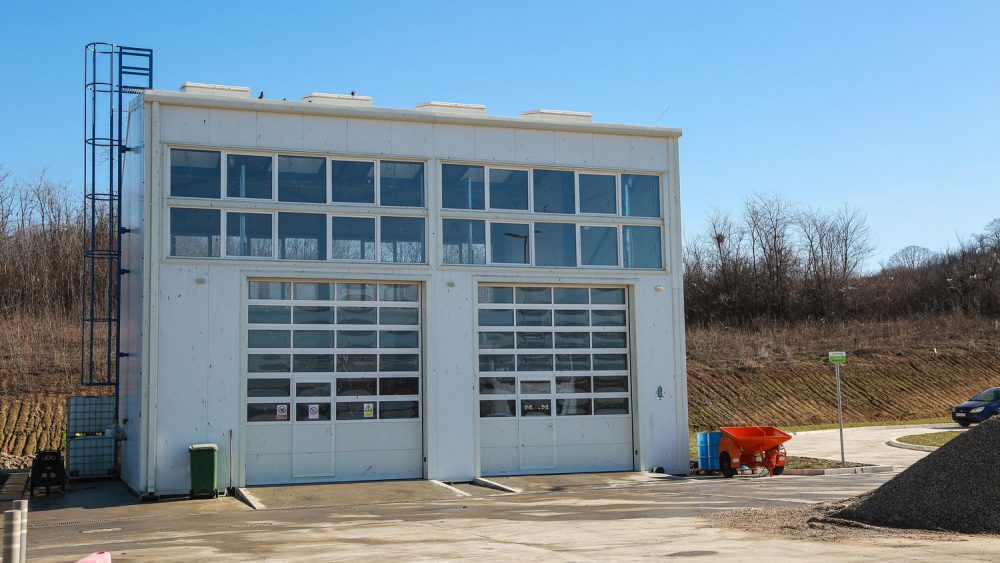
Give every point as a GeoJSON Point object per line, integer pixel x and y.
{"type": "Point", "coordinates": [412, 139]}
{"type": "Point", "coordinates": [324, 133]}
{"type": "Point", "coordinates": [574, 149]}
{"type": "Point", "coordinates": [185, 125]}
{"type": "Point", "coordinates": [229, 128]}
{"type": "Point", "coordinates": [369, 136]}
{"type": "Point", "coordinates": [282, 130]}
{"type": "Point", "coordinates": [611, 151]}
{"type": "Point", "coordinates": [455, 142]}
{"type": "Point", "coordinates": [647, 153]}
{"type": "Point", "coordinates": [495, 144]}
{"type": "Point", "coordinates": [535, 147]}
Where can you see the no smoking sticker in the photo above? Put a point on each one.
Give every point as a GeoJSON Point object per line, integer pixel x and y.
{"type": "Point", "coordinates": [313, 412]}
{"type": "Point", "coordinates": [281, 412]}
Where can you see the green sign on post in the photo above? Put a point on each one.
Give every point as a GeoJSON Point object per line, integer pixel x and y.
{"type": "Point", "coordinates": [837, 357]}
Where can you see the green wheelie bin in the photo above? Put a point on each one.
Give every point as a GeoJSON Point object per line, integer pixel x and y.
{"type": "Point", "coordinates": [204, 470]}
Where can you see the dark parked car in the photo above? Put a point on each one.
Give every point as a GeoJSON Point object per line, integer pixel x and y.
{"type": "Point", "coordinates": [978, 408]}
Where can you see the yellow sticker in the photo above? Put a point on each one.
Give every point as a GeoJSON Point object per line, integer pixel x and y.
{"type": "Point", "coordinates": [369, 410]}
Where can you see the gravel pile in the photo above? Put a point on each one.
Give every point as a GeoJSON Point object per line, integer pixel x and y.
{"type": "Point", "coordinates": [956, 488]}
{"type": "Point", "coordinates": [8, 461]}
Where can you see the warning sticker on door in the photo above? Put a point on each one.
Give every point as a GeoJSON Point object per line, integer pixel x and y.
{"type": "Point", "coordinates": [313, 412]}
{"type": "Point", "coordinates": [369, 410]}
{"type": "Point", "coordinates": [281, 412]}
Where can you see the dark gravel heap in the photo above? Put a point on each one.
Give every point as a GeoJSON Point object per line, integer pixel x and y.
{"type": "Point", "coordinates": [957, 488]}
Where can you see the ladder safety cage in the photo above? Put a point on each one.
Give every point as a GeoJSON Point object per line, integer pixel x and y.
{"type": "Point", "coordinates": [112, 75]}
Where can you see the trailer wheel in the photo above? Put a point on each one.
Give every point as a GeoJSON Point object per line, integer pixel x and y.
{"type": "Point", "coordinates": [726, 465]}
{"type": "Point", "coordinates": [778, 470]}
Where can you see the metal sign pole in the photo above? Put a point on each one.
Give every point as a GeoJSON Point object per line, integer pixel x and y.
{"type": "Point", "coordinates": [840, 418]}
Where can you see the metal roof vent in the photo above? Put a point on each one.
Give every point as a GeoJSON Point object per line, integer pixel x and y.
{"type": "Point", "coordinates": [452, 108]}
{"type": "Point", "coordinates": [215, 90]}
{"type": "Point", "coordinates": [558, 115]}
{"type": "Point", "coordinates": [349, 100]}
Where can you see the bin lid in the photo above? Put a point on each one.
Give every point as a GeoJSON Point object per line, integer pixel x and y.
{"type": "Point", "coordinates": [194, 447]}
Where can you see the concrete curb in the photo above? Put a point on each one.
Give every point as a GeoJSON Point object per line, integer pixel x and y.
{"type": "Point", "coordinates": [249, 499]}
{"type": "Point", "coordinates": [942, 425]}
{"type": "Point", "coordinates": [455, 490]}
{"type": "Point", "coordinates": [494, 485]}
{"type": "Point", "coordinates": [904, 446]}
{"type": "Point", "coordinates": [841, 470]}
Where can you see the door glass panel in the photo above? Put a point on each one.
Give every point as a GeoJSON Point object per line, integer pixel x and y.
{"type": "Point", "coordinates": [356, 292]}
{"type": "Point", "coordinates": [462, 186]}
{"type": "Point", "coordinates": [399, 386]}
{"type": "Point", "coordinates": [356, 362]}
{"type": "Point", "coordinates": [572, 340]}
{"type": "Point", "coordinates": [263, 363]}
{"type": "Point", "coordinates": [268, 387]}
{"type": "Point", "coordinates": [248, 176]}
{"type": "Point", "coordinates": [356, 339]}
{"type": "Point", "coordinates": [533, 295]}
{"type": "Point", "coordinates": [349, 387]}
{"type": "Point", "coordinates": [497, 409]}
{"type": "Point", "coordinates": [573, 407]}
{"type": "Point", "coordinates": [306, 412]}
{"type": "Point", "coordinates": [598, 246]}
{"type": "Point", "coordinates": [399, 362]}
{"type": "Point", "coordinates": [269, 290]}
{"type": "Point", "coordinates": [610, 340]}
{"type": "Point", "coordinates": [312, 389]}
{"type": "Point", "coordinates": [534, 362]}
{"type": "Point", "coordinates": [353, 182]}
{"type": "Point", "coordinates": [399, 315]}
{"type": "Point", "coordinates": [398, 339]}
{"type": "Point", "coordinates": [607, 296]}
{"type": "Point", "coordinates": [356, 411]}
{"type": "Point", "coordinates": [248, 234]}
{"type": "Point", "coordinates": [575, 384]}
{"type": "Point", "coordinates": [536, 407]}
{"type": "Point", "coordinates": [554, 191]}
{"type": "Point", "coordinates": [536, 387]}
{"type": "Point", "coordinates": [534, 340]}
{"type": "Point", "coordinates": [573, 362]}
{"type": "Point", "coordinates": [356, 315]}
{"type": "Point", "coordinates": [534, 317]}
{"type": "Point", "coordinates": [195, 173]}
{"type": "Point", "coordinates": [267, 412]}
{"type": "Point", "coordinates": [313, 363]}
{"type": "Point", "coordinates": [496, 386]}
{"type": "Point", "coordinates": [610, 362]}
{"type": "Point", "coordinates": [555, 244]}
{"type": "Point", "coordinates": [398, 409]}
{"type": "Point", "coordinates": [611, 384]}
{"type": "Point", "coordinates": [493, 362]}
{"type": "Point", "coordinates": [496, 317]}
{"type": "Point", "coordinates": [402, 292]}
{"type": "Point", "coordinates": [268, 339]}
{"type": "Point", "coordinates": [608, 318]}
{"type": "Point", "coordinates": [268, 314]}
{"type": "Point", "coordinates": [302, 179]}
{"type": "Point", "coordinates": [314, 339]}
{"type": "Point", "coordinates": [489, 294]}
{"type": "Point", "coordinates": [401, 183]}
{"type": "Point", "coordinates": [313, 315]}
{"type": "Point", "coordinates": [508, 189]}
{"type": "Point", "coordinates": [571, 295]}
{"type": "Point", "coordinates": [611, 405]}
{"type": "Point", "coordinates": [313, 291]}
{"type": "Point", "coordinates": [597, 194]}
{"type": "Point", "coordinates": [353, 238]}
{"type": "Point", "coordinates": [496, 340]}
{"type": "Point", "coordinates": [572, 317]}
{"type": "Point", "coordinates": [640, 195]}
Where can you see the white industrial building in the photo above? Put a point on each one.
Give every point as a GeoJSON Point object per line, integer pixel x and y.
{"type": "Point", "coordinates": [332, 291]}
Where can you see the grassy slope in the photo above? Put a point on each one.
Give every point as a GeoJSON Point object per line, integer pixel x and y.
{"type": "Point", "coordinates": [936, 439]}
{"type": "Point", "coordinates": [767, 376]}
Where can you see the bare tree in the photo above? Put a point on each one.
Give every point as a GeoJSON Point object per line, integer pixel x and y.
{"type": "Point", "coordinates": [910, 257]}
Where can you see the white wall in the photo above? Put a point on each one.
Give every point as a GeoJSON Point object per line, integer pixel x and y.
{"type": "Point", "coordinates": [200, 301]}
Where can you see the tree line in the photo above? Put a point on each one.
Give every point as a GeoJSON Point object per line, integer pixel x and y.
{"type": "Point", "coordinates": [779, 261]}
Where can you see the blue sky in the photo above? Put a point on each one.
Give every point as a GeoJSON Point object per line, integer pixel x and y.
{"type": "Point", "coordinates": [890, 106]}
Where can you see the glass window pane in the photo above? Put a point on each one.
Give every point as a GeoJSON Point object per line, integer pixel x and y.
{"type": "Point", "coordinates": [572, 340]}
{"type": "Point", "coordinates": [313, 315]}
{"type": "Point", "coordinates": [263, 363]}
{"type": "Point", "coordinates": [573, 407]}
{"type": "Point", "coordinates": [608, 318]}
{"type": "Point", "coordinates": [356, 339]}
{"type": "Point", "coordinates": [536, 407]}
{"type": "Point", "coordinates": [353, 238]}
{"type": "Point", "coordinates": [402, 239]}
{"type": "Point", "coordinates": [399, 362]}
{"type": "Point", "coordinates": [269, 290]}
{"type": "Point", "coordinates": [534, 340]}
{"type": "Point", "coordinates": [194, 232]}
{"type": "Point", "coordinates": [642, 247]}
{"type": "Point", "coordinates": [607, 296]}
{"type": "Point", "coordinates": [399, 386]}
{"type": "Point", "coordinates": [598, 246]}
{"type": "Point", "coordinates": [554, 191]}
{"type": "Point", "coordinates": [533, 295]}
{"type": "Point", "coordinates": [301, 236]}
{"type": "Point", "coordinates": [267, 412]}
{"type": "Point", "coordinates": [555, 244]}
{"type": "Point", "coordinates": [356, 386]}
{"type": "Point", "coordinates": [462, 186]}
{"type": "Point", "coordinates": [248, 176]}
{"type": "Point", "coordinates": [640, 195]}
{"type": "Point", "coordinates": [312, 389]}
{"type": "Point", "coordinates": [572, 362]}
{"type": "Point", "coordinates": [610, 362]}
{"type": "Point", "coordinates": [618, 405]}
{"type": "Point", "coordinates": [496, 386]}
{"type": "Point", "coordinates": [497, 409]}
{"type": "Point", "coordinates": [399, 409]}
{"type": "Point", "coordinates": [353, 182]}
{"type": "Point", "coordinates": [464, 241]}
{"type": "Point", "coordinates": [490, 362]}
{"type": "Point", "coordinates": [509, 243]}
{"type": "Point", "coordinates": [488, 294]}
{"type": "Point", "coordinates": [356, 362]}
{"type": "Point", "coordinates": [534, 317]}
{"type": "Point", "coordinates": [402, 292]}
{"type": "Point", "coordinates": [248, 234]}
{"type": "Point", "coordinates": [611, 384]}
{"type": "Point", "coordinates": [573, 384]}
{"type": "Point", "coordinates": [610, 340]}
{"type": "Point", "coordinates": [496, 317]}
{"type": "Point", "coordinates": [356, 315]}
{"type": "Point", "coordinates": [534, 362]}
{"type": "Point", "coordinates": [399, 315]}
{"type": "Point", "coordinates": [195, 173]}
{"type": "Point", "coordinates": [314, 339]}
{"type": "Point", "coordinates": [310, 291]}
{"type": "Point", "coordinates": [268, 314]}
{"type": "Point", "coordinates": [398, 339]}
{"type": "Point", "coordinates": [597, 193]}
{"type": "Point", "coordinates": [496, 340]}
{"type": "Point", "coordinates": [402, 183]}
{"type": "Point", "coordinates": [268, 339]}
{"type": "Point", "coordinates": [508, 189]}
{"type": "Point", "coordinates": [302, 179]}
{"type": "Point", "coordinates": [305, 412]}
{"type": "Point", "coordinates": [312, 363]}
{"type": "Point", "coordinates": [571, 295]}
{"type": "Point", "coordinates": [356, 292]}
{"type": "Point", "coordinates": [268, 388]}
{"type": "Point", "coordinates": [536, 387]}
{"type": "Point", "coordinates": [572, 317]}
{"type": "Point", "coordinates": [355, 411]}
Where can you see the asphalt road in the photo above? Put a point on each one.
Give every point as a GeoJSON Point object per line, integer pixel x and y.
{"type": "Point", "coordinates": [863, 445]}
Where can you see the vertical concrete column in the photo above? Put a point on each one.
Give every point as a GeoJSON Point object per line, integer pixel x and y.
{"type": "Point", "coordinates": [12, 536]}
{"type": "Point", "coordinates": [22, 507]}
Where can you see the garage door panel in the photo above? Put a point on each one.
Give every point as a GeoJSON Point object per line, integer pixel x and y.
{"type": "Point", "coordinates": [313, 438]}
{"type": "Point", "coordinates": [264, 469]}
{"type": "Point", "coordinates": [574, 431]}
{"type": "Point", "coordinates": [378, 436]}
{"type": "Point", "coordinates": [500, 460]}
{"type": "Point", "coordinates": [313, 464]}
{"type": "Point", "coordinates": [538, 457]}
{"type": "Point", "coordinates": [537, 432]}
{"type": "Point", "coordinates": [269, 439]}
{"type": "Point", "coordinates": [494, 433]}
{"type": "Point", "coordinates": [388, 464]}
{"type": "Point", "coordinates": [595, 457]}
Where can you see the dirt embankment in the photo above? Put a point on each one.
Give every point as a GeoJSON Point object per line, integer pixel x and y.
{"type": "Point", "coordinates": [899, 370]}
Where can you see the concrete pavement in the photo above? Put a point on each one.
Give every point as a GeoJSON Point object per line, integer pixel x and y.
{"type": "Point", "coordinates": [863, 444]}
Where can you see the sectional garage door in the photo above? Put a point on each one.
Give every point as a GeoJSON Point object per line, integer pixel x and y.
{"type": "Point", "coordinates": [553, 374]}
{"type": "Point", "coordinates": [333, 380]}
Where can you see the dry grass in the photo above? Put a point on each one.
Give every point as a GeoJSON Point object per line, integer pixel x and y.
{"type": "Point", "coordinates": [936, 439]}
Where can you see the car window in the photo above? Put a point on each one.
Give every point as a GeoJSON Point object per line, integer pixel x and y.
{"type": "Point", "coordinates": [988, 395]}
